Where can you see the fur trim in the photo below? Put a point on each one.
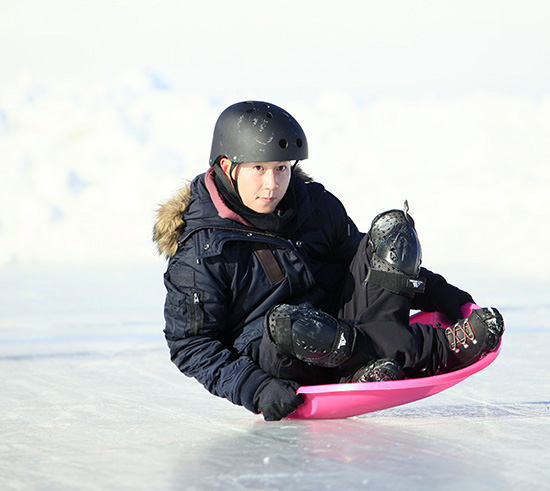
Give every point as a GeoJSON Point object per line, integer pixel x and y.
{"type": "Point", "coordinates": [169, 218]}
{"type": "Point", "coordinates": [169, 224]}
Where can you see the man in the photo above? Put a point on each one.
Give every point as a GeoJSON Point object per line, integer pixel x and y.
{"type": "Point", "coordinates": [270, 285]}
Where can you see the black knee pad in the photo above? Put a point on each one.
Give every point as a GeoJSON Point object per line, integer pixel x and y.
{"type": "Point", "coordinates": [396, 253]}
{"type": "Point", "coordinates": [310, 335]}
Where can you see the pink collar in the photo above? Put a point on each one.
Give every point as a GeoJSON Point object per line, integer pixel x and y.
{"type": "Point", "coordinates": [223, 210]}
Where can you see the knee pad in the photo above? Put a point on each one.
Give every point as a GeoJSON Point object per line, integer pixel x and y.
{"type": "Point", "coordinates": [310, 335]}
{"type": "Point", "coordinates": [396, 253]}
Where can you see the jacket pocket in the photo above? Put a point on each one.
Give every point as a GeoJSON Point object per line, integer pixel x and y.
{"type": "Point", "coordinates": [184, 312]}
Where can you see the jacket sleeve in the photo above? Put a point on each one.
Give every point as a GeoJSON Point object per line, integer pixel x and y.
{"type": "Point", "coordinates": [195, 326]}
{"type": "Point", "coordinates": [441, 296]}
{"type": "Point", "coordinates": [423, 301]}
{"type": "Point", "coordinates": [345, 234]}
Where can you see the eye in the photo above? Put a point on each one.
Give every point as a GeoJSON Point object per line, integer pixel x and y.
{"type": "Point", "coordinates": [282, 168]}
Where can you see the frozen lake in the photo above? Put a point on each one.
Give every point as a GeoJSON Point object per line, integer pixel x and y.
{"type": "Point", "coordinates": [90, 400]}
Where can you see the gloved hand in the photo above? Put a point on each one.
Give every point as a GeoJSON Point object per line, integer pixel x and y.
{"type": "Point", "coordinates": [276, 398]}
{"type": "Point", "coordinates": [448, 299]}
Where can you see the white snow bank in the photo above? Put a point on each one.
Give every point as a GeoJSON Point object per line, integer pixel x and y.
{"type": "Point", "coordinates": [84, 168]}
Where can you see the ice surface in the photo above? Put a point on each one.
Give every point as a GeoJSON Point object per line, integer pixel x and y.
{"type": "Point", "coordinates": [90, 400]}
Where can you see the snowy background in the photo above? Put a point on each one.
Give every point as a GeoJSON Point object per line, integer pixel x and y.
{"type": "Point", "coordinates": [106, 108]}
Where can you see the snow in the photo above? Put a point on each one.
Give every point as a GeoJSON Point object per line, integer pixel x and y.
{"type": "Point", "coordinates": [91, 145]}
{"type": "Point", "coordinates": [107, 110]}
{"type": "Point", "coordinates": [84, 174]}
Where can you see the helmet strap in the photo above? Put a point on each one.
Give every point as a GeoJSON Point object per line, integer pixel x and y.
{"type": "Point", "coordinates": [229, 183]}
{"type": "Point", "coordinates": [233, 180]}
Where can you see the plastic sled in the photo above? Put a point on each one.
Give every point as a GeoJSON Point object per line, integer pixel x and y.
{"type": "Point", "coordinates": [334, 401]}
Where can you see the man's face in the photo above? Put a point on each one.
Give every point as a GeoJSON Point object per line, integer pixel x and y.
{"type": "Point", "coordinates": [262, 185]}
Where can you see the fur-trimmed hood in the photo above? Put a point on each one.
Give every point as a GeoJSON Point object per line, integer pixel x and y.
{"type": "Point", "coordinates": [170, 224]}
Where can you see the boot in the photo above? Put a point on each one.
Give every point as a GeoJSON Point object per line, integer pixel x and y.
{"type": "Point", "coordinates": [472, 338]}
{"type": "Point", "coordinates": [377, 371]}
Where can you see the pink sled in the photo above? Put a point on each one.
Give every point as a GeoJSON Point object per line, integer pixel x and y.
{"type": "Point", "coordinates": [333, 401]}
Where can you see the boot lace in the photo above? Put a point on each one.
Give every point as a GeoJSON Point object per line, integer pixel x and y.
{"type": "Point", "coordinates": [460, 334]}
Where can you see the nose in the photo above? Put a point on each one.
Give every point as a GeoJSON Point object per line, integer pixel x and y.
{"type": "Point", "coordinates": [270, 181]}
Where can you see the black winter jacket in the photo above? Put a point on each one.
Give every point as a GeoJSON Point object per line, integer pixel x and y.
{"type": "Point", "coordinates": [218, 291]}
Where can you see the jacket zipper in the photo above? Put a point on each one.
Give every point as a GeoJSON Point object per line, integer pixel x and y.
{"type": "Point", "coordinates": [196, 313]}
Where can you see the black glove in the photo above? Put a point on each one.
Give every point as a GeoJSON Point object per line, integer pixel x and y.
{"type": "Point", "coordinates": [448, 299]}
{"type": "Point", "coordinates": [276, 398]}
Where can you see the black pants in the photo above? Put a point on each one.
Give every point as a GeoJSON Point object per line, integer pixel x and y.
{"type": "Point", "coordinates": [381, 319]}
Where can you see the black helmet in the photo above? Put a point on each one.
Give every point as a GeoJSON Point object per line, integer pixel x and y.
{"type": "Point", "coordinates": [255, 131]}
